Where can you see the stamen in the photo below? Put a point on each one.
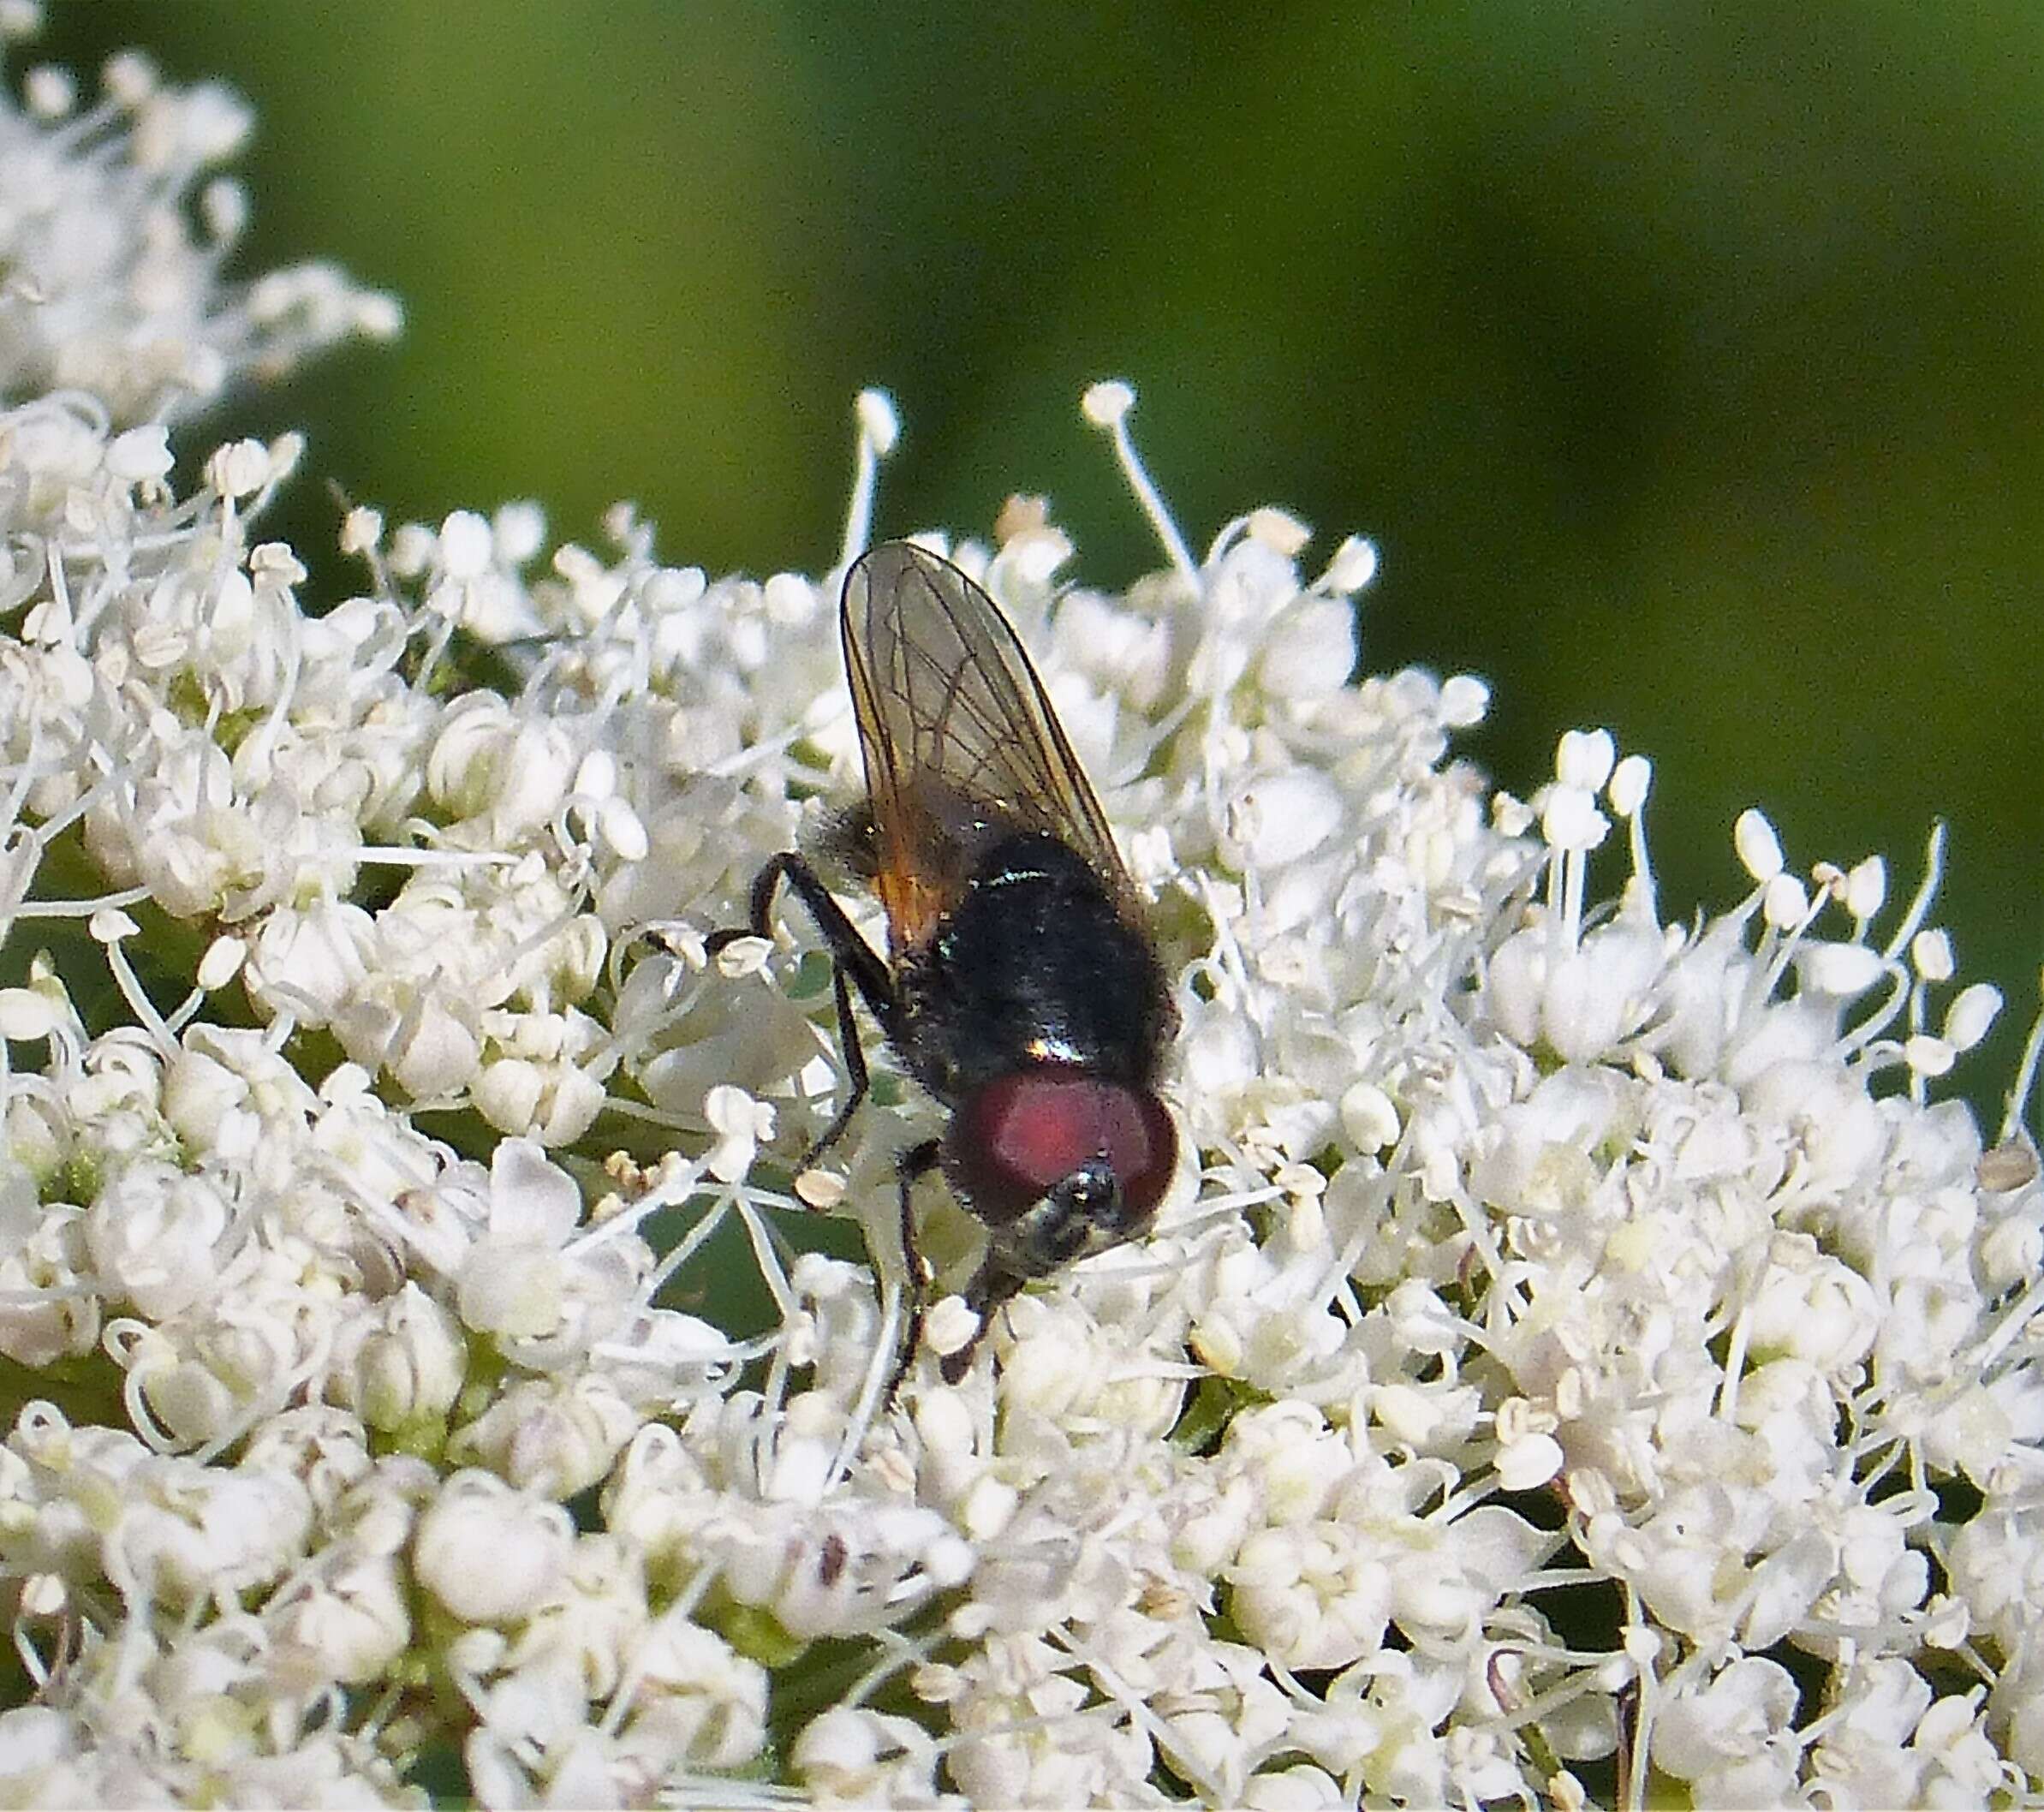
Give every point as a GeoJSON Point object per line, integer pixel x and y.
{"type": "Point", "coordinates": [109, 927]}
{"type": "Point", "coordinates": [1631, 780]}
{"type": "Point", "coordinates": [1927, 890]}
{"type": "Point", "coordinates": [1106, 405]}
{"type": "Point", "coordinates": [2026, 1081]}
{"type": "Point", "coordinates": [878, 430]}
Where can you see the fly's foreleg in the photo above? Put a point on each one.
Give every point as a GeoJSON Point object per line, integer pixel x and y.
{"type": "Point", "coordinates": [992, 1289]}
{"type": "Point", "coordinates": [851, 957]}
{"type": "Point", "coordinates": [850, 950]}
{"type": "Point", "coordinates": [855, 1070]}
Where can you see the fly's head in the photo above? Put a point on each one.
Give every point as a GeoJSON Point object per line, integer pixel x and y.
{"type": "Point", "coordinates": [1079, 1215]}
{"type": "Point", "coordinates": [1060, 1164]}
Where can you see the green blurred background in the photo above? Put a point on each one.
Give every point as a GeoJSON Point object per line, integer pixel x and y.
{"type": "Point", "coordinates": [1684, 361]}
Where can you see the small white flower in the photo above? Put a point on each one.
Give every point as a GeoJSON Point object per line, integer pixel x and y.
{"type": "Point", "coordinates": [1311, 1595]}
{"type": "Point", "coordinates": [1726, 1735]}
{"type": "Point", "coordinates": [740, 1124]}
{"type": "Point", "coordinates": [514, 1281]}
{"type": "Point", "coordinates": [155, 1236]}
{"type": "Point", "coordinates": [849, 1757]}
{"type": "Point", "coordinates": [489, 1552]}
{"type": "Point", "coordinates": [1812, 1308]}
{"type": "Point", "coordinates": [407, 1366]}
{"type": "Point", "coordinates": [1280, 819]}
{"type": "Point", "coordinates": [186, 1530]}
{"type": "Point", "coordinates": [697, 1701]}
{"type": "Point", "coordinates": [351, 1626]}
{"type": "Point", "coordinates": [556, 1436]}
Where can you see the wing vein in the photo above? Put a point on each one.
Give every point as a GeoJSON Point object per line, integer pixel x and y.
{"type": "Point", "coordinates": [960, 739]}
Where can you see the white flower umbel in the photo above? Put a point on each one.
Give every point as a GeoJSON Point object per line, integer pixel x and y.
{"type": "Point", "coordinates": [114, 235]}
{"type": "Point", "coordinates": [1585, 1355]}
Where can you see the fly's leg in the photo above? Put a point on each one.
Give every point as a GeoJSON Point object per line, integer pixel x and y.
{"type": "Point", "coordinates": [851, 951]}
{"type": "Point", "coordinates": [855, 1069]}
{"type": "Point", "coordinates": [990, 1290]}
{"type": "Point", "coordinates": [851, 956]}
{"type": "Point", "coordinates": [854, 964]}
{"type": "Point", "coordinates": [1628, 1732]}
{"type": "Point", "coordinates": [919, 1160]}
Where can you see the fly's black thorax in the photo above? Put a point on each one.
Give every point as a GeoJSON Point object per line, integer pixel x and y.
{"type": "Point", "coordinates": [1034, 965]}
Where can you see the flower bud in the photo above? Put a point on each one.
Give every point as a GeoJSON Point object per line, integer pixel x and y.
{"type": "Point", "coordinates": [409, 1370]}
{"type": "Point", "coordinates": [491, 1553]}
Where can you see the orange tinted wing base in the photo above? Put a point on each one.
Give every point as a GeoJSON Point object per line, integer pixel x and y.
{"type": "Point", "coordinates": [914, 905]}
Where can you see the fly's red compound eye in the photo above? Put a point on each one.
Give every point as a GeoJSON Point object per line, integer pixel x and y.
{"type": "Point", "coordinates": [1023, 1134]}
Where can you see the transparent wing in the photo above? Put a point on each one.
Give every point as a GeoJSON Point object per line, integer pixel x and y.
{"type": "Point", "coordinates": [961, 743]}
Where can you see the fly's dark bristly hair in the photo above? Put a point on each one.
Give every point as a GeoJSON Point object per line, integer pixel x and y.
{"type": "Point", "coordinates": [1020, 986]}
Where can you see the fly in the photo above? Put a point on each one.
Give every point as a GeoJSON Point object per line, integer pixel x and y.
{"type": "Point", "coordinates": [1020, 987]}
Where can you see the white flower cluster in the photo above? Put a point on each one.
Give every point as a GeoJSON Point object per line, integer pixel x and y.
{"type": "Point", "coordinates": [1578, 1360]}
{"type": "Point", "coordinates": [108, 289]}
